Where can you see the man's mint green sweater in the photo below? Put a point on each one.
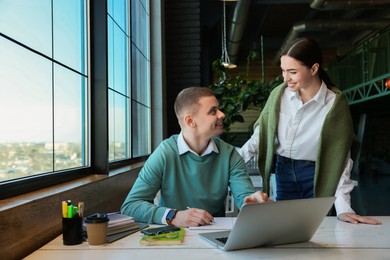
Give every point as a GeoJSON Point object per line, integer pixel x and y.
{"type": "Point", "coordinates": [336, 139]}
{"type": "Point", "coordinates": [187, 180]}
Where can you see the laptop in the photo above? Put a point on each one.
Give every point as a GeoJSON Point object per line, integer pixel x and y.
{"type": "Point", "coordinates": [274, 223]}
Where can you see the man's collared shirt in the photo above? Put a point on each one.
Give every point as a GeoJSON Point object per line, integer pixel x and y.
{"type": "Point", "coordinates": [183, 146]}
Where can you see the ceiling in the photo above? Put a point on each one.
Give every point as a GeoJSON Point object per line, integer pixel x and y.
{"type": "Point", "coordinates": [337, 25]}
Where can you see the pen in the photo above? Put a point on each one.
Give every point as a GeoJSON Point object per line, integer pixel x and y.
{"type": "Point", "coordinates": [75, 211]}
{"type": "Point", "coordinates": [64, 209]}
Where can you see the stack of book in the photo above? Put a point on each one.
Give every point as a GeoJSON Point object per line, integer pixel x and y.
{"type": "Point", "coordinates": [120, 223]}
{"type": "Point", "coordinates": [119, 226]}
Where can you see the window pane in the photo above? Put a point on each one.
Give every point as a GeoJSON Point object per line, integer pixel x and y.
{"type": "Point", "coordinates": [26, 112]}
{"type": "Point", "coordinates": [118, 59]}
{"type": "Point", "coordinates": [118, 80]}
{"type": "Point", "coordinates": [141, 74]}
{"type": "Point", "coordinates": [69, 119]}
{"type": "Point", "coordinates": [145, 4]}
{"type": "Point", "coordinates": [140, 28]}
{"type": "Point", "coordinates": [141, 78]}
{"type": "Point", "coordinates": [118, 10]}
{"type": "Point", "coordinates": [111, 126]}
{"type": "Point", "coordinates": [69, 34]}
{"type": "Point", "coordinates": [110, 52]}
{"type": "Point", "coordinates": [28, 22]}
{"type": "Point", "coordinates": [142, 130]}
{"type": "Point", "coordinates": [118, 127]}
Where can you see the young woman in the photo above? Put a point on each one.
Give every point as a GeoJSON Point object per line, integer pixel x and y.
{"type": "Point", "coordinates": [307, 124]}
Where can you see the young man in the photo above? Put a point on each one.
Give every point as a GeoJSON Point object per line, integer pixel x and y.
{"type": "Point", "coordinates": [193, 170]}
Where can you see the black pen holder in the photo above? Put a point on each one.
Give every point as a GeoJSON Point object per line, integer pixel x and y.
{"type": "Point", "coordinates": [72, 230]}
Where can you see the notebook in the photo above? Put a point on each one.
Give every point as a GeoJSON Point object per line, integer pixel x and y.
{"type": "Point", "coordinates": [274, 223]}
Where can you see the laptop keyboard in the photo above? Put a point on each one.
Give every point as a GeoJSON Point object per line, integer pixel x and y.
{"type": "Point", "coordinates": [222, 239]}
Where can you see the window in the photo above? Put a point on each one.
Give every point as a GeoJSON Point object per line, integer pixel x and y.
{"type": "Point", "coordinates": [129, 105]}
{"type": "Point", "coordinates": [43, 82]}
{"type": "Point", "coordinates": [118, 79]}
{"type": "Point", "coordinates": [58, 120]}
{"type": "Point", "coordinates": [141, 104]}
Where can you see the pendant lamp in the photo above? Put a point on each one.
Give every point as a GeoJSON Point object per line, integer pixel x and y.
{"type": "Point", "coordinates": [225, 56]}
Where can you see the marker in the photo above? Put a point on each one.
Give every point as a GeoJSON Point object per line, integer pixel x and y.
{"type": "Point", "coordinates": [64, 209]}
{"type": "Point", "coordinates": [70, 210]}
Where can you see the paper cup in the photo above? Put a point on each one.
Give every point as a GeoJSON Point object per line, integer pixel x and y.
{"type": "Point", "coordinates": [97, 227]}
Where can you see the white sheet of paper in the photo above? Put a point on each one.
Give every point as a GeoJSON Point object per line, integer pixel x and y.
{"type": "Point", "coordinates": [220, 223]}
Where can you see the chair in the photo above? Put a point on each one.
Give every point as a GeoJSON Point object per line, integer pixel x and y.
{"type": "Point", "coordinates": [257, 181]}
{"type": "Point", "coordinates": [230, 207]}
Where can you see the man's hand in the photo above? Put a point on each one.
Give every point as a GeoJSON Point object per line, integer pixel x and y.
{"type": "Point", "coordinates": [192, 217]}
{"type": "Point", "coordinates": [257, 197]}
{"type": "Point", "coordinates": [355, 219]}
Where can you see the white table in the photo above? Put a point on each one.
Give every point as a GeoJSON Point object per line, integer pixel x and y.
{"type": "Point", "coordinates": [333, 240]}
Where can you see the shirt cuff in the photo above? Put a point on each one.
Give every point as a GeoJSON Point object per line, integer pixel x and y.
{"type": "Point", "coordinates": [164, 217]}
{"type": "Point", "coordinates": [342, 205]}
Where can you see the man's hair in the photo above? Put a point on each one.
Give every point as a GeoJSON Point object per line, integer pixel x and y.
{"type": "Point", "coordinates": [188, 99]}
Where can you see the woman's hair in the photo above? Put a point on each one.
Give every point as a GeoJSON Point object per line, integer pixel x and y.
{"type": "Point", "coordinates": [308, 52]}
{"type": "Point", "coordinates": [188, 99]}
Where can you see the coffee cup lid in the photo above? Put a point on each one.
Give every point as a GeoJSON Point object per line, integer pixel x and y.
{"type": "Point", "coordinates": [97, 218]}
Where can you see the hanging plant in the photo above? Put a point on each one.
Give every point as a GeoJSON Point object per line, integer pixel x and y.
{"type": "Point", "coordinates": [237, 94]}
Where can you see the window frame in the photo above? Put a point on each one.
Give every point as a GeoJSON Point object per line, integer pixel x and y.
{"type": "Point", "coordinates": [98, 115]}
